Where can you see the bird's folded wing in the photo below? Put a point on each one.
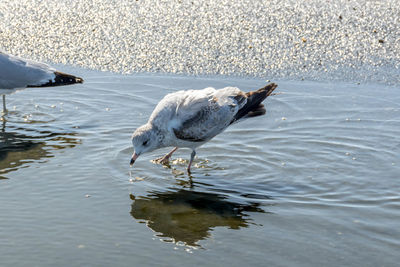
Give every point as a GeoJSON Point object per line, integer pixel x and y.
{"type": "Point", "coordinates": [16, 72]}
{"type": "Point", "coordinates": [197, 115]}
{"type": "Point", "coordinates": [178, 107]}
{"type": "Point", "coordinates": [206, 122]}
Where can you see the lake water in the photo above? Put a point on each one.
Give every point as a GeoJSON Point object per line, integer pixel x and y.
{"type": "Point", "coordinates": [314, 182]}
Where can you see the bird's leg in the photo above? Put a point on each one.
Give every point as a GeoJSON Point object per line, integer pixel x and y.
{"type": "Point", "coordinates": [4, 104]}
{"type": "Point", "coordinates": [165, 160]}
{"type": "Point", "coordinates": [191, 160]}
{"type": "Point", "coordinates": [3, 123]}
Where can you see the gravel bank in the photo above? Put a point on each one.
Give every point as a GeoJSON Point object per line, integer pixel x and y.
{"type": "Point", "coordinates": [315, 40]}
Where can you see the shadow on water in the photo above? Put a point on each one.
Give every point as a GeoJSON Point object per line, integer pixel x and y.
{"type": "Point", "coordinates": [188, 216]}
{"type": "Point", "coordinates": [20, 146]}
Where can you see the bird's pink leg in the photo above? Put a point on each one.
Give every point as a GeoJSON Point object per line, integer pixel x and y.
{"type": "Point", "coordinates": [191, 160]}
{"type": "Point", "coordinates": [4, 104]}
{"type": "Point", "coordinates": [165, 159]}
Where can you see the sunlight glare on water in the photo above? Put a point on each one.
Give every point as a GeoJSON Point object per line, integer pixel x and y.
{"type": "Point", "coordinates": [319, 169]}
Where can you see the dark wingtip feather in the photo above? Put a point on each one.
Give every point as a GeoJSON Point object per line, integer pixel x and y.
{"type": "Point", "coordinates": [65, 79]}
{"type": "Point", "coordinates": [260, 110]}
{"type": "Point", "coordinates": [265, 91]}
{"type": "Point", "coordinates": [79, 80]}
{"type": "Point", "coordinates": [60, 79]}
{"type": "Point", "coordinates": [253, 106]}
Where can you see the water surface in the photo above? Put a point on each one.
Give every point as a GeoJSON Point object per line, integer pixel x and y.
{"type": "Point", "coordinates": [313, 182]}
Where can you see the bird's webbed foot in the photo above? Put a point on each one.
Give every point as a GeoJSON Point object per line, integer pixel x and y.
{"type": "Point", "coordinates": [163, 160]}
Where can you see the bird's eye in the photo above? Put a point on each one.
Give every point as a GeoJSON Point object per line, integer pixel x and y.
{"type": "Point", "coordinates": [145, 142]}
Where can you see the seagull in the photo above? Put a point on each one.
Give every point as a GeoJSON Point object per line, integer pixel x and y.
{"type": "Point", "coordinates": [190, 118]}
{"type": "Point", "coordinates": [17, 73]}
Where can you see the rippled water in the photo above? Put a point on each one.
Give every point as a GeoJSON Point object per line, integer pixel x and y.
{"type": "Point", "coordinates": [313, 182]}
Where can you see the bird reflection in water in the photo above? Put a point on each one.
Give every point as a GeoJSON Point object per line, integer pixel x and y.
{"type": "Point", "coordinates": [188, 216]}
{"type": "Point", "coordinates": [21, 146]}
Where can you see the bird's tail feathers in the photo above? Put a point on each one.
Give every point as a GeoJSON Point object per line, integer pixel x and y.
{"type": "Point", "coordinates": [253, 107]}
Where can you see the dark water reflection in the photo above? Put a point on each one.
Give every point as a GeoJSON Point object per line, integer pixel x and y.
{"type": "Point", "coordinates": [20, 146]}
{"type": "Point", "coordinates": [188, 216]}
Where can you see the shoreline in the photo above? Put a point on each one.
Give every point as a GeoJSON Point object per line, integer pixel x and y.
{"type": "Point", "coordinates": [318, 40]}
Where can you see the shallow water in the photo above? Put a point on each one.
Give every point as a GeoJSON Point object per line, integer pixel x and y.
{"type": "Point", "coordinates": [313, 182]}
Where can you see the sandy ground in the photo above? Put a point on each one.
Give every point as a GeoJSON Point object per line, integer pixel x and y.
{"type": "Point", "coordinates": [316, 40]}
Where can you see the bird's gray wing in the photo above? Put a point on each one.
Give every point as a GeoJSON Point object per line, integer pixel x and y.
{"type": "Point", "coordinates": [197, 128]}
{"type": "Point", "coordinates": [17, 72]}
{"type": "Point", "coordinates": [207, 122]}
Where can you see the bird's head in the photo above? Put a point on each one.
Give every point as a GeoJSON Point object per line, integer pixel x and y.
{"type": "Point", "coordinates": [144, 140]}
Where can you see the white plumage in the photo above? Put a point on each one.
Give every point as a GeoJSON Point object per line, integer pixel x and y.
{"type": "Point", "coordinates": [18, 73]}
{"type": "Point", "coordinates": [193, 117]}
{"type": "Point", "coordinates": [212, 109]}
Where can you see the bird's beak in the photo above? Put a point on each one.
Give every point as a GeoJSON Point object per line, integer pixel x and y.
{"type": "Point", "coordinates": [134, 157]}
